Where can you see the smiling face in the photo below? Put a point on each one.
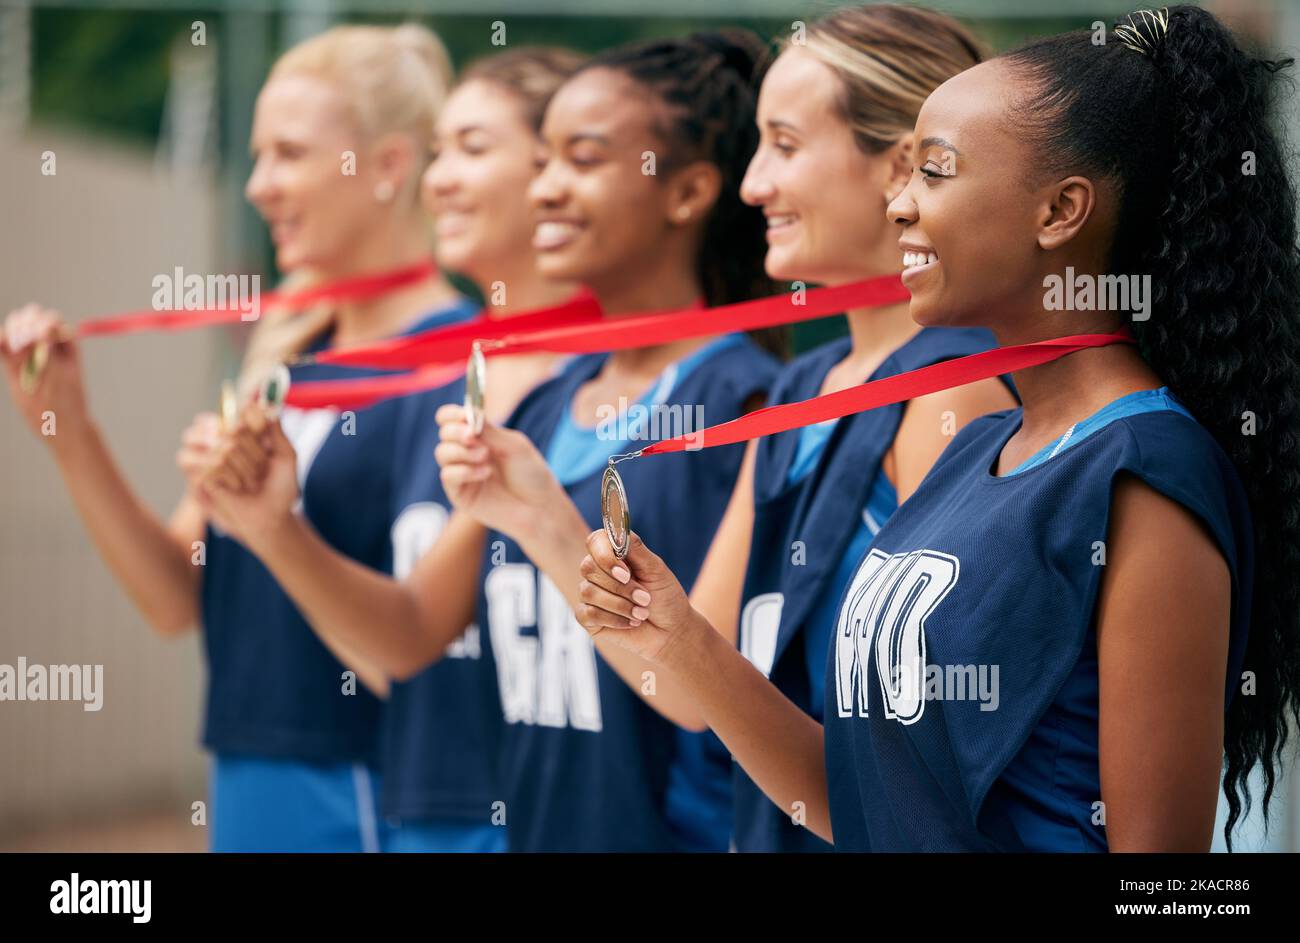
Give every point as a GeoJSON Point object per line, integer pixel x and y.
{"type": "Point", "coordinates": [477, 186]}
{"type": "Point", "coordinates": [301, 130]}
{"type": "Point", "coordinates": [972, 207]}
{"type": "Point", "coordinates": [596, 211]}
{"type": "Point", "coordinates": [823, 196]}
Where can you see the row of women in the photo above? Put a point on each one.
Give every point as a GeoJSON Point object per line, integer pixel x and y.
{"type": "Point", "coordinates": [1106, 546]}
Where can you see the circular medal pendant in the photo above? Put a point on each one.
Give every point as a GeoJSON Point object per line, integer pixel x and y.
{"type": "Point", "coordinates": [273, 390]}
{"type": "Point", "coordinates": [229, 406]}
{"type": "Point", "coordinates": [33, 367]}
{"type": "Point", "coordinates": [475, 387]}
{"type": "Point", "coordinates": [614, 511]}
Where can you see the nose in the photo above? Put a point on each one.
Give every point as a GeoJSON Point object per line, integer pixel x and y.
{"type": "Point", "coordinates": [756, 188]}
{"type": "Point", "coordinates": [547, 188]}
{"type": "Point", "coordinates": [258, 188]}
{"type": "Point", "coordinates": [438, 179]}
{"type": "Point", "coordinates": [902, 208]}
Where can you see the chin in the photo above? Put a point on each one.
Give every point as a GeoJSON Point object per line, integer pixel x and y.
{"type": "Point", "coordinates": [455, 255]}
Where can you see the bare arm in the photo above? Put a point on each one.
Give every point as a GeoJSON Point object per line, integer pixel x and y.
{"type": "Point", "coordinates": [150, 558]}
{"type": "Point", "coordinates": [1162, 647]}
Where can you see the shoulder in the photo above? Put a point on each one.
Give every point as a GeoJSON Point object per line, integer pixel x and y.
{"type": "Point", "coordinates": [1175, 456]}
{"type": "Point", "coordinates": [545, 399]}
{"type": "Point", "coordinates": [805, 373]}
{"type": "Point", "coordinates": [737, 372]}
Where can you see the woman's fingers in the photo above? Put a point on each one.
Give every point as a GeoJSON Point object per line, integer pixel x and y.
{"type": "Point", "coordinates": [601, 552]}
{"type": "Point", "coordinates": [632, 591]}
{"type": "Point", "coordinates": [456, 477]}
{"type": "Point", "coordinates": [454, 453]}
{"type": "Point", "coordinates": [611, 606]}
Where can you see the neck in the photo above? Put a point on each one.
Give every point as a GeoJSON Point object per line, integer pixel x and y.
{"type": "Point", "coordinates": [524, 289]}
{"type": "Point", "coordinates": [660, 291]}
{"type": "Point", "coordinates": [1061, 392]}
{"type": "Point", "coordinates": [878, 332]}
{"type": "Point", "coordinates": [401, 245]}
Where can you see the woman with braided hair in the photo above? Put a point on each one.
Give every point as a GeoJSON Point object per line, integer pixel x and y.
{"type": "Point", "coordinates": [1115, 566]}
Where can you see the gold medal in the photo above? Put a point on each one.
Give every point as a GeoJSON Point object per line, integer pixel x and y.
{"type": "Point", "coordinates": [229, 406]}
{"type": "Point", "coordinates": [475, 388]}
{"type": "Point", "coordinates": [30, 376]}
{"type": "Point", "coordinates": [273, 390]}
{"type": "Point", "coordinates": [614, 511]}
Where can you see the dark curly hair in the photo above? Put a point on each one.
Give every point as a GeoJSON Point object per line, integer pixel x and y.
{"type": "Point", "coordinates": [1173, 127]}
{"type": "Point", "coordinates": [708, 83]}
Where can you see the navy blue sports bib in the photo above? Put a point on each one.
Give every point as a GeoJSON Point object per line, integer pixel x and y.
{"type": "Point", "coordinates": [802, 532]}
{"type": "Point", "coordinates": [587, 765]}
{"type": "Point", "coordinates": [274, 689]}
{"type": "Point", "coordinates": [965, 641]}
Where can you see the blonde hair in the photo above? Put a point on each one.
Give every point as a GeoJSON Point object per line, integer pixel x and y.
{"type": "Point", "coordinates": [888, 59]}
{"type": "Point", "coordinates": [392, 80]}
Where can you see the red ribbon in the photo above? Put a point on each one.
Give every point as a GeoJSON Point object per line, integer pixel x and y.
{"type": "Point", "coordinates": [450, 346]}
{"type": "Point", "coordinates": [885, 391]}
{"type": "Point", "coordinates": [348, 289]}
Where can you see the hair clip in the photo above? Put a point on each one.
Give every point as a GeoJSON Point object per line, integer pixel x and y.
{"type": "Point", "coordinates": [1145, 30]}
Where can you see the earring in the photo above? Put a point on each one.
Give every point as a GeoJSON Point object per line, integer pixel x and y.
{"type": "Point", "coordinates": [683, 212]}
{"type": "Point", "coordinates": [384, 191]}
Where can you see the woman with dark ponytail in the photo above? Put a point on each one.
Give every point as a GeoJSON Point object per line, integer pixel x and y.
{"type": "Point", "coordinates": [1110, 572]}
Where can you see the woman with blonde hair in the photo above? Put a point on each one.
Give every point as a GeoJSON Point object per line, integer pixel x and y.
{"type": "Point", "coordinates": [340, 138]}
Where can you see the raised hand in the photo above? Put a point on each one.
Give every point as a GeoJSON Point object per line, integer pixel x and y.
{"type": "Point", "coordinates": [59, 391]}
{"type": "Point", "coordinates": [251, 480]}
{"type": "Point", "coordinates": [637, 602]}
{"type": "Point", "coordinates": [498, 477]}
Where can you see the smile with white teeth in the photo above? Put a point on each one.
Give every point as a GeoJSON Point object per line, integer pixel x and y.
{"type": "Point", "coordinates": [916, 259]}
{"type": "Point", "coordinates": [776, 222]}
{"type": "Point", "coordinates": [553, 233]}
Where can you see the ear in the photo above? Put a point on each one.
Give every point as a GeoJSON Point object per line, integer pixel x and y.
{"type": "Point", "coordinates": [898, 166]}
{"type": "Point", "coordinates": [393, 160]}
{"type": "Point", "coordinates": [1068, 206]}
{"type": "Point", "coordinates": [691, 192]}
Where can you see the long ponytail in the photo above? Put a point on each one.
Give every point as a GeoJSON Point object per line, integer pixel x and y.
{"type": "Point", "coordinates": [1180, 117]}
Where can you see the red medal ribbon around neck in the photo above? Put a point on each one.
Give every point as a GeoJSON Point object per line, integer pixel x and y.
{"type": "Point", "coordinates": [885, 391]}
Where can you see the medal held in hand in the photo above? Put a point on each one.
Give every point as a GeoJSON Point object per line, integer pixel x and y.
{"type": "Point", "coordinates": [33, 367]}
{"type": "Point", "coordinates": [614, 511]}
{"type": "Point", "coordinates": [475, 388]}
{"type": "Point", "coordinates": [229, 410]}
{"type": "Point", "coordinates": [273, 390]}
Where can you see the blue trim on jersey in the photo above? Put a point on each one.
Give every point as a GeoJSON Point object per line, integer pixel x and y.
{"type": "Point", "coordinates": [1133, 404]}
{"type": "Point", "coordinates": [272, 805]}
{"type": "Point", "coordinates": [575, 451]}
{"type": "Point", "coordinates": [812, 442]}
{"type": "Point", "coordinates": [436, 837]}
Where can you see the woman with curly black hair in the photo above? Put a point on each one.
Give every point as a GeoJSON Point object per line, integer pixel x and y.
{"type": "Point", "coordinates": [1098, 589]}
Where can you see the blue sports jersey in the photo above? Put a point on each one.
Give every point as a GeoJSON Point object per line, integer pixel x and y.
{"type": "Point", "coordinates": [587, 764]}
{"type": "Point", "coordinates": [809, 506]}
{"type": "Point", "coordinates": [441, 729]}
{"type": "Point", "coordinates": [274, 689]}
{"type": "Point", "coordinates": [971, 618]}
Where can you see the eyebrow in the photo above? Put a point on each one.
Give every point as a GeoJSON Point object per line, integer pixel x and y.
{"type": "Point", "coordinates": [586, 136]}
{"type": "Point", "coordinates": [780, 123]}
{"type": "Point", "coordinates": [940, 142]}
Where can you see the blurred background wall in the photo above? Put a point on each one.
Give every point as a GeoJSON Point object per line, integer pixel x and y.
{"type": "Point", "coordinates": [149, 133]}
